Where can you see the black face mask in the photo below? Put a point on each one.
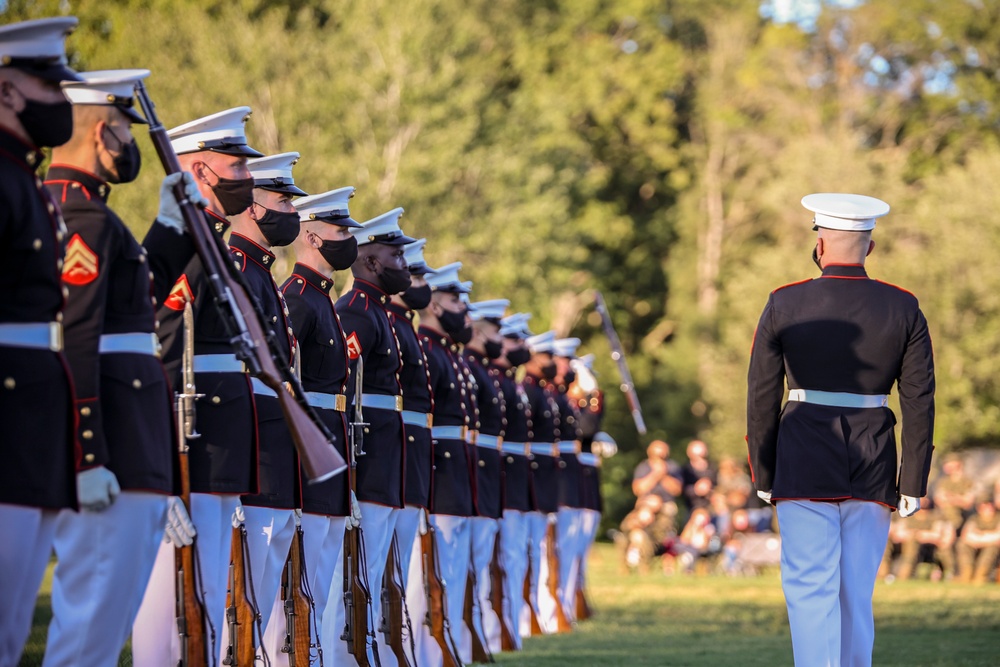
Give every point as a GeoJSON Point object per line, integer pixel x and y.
{"type": "Point", "coordinates": [816, 259]}
{"type": "Point", "coordinates": [549, 372]}
{"type": "Point", "coordinates": [47, 124]}
{"type": "Point", "coordinates": [339, 254]}
{"type": "Point", "coordinates": [568, 377]}
{"type": "Point", "coordinates": [128, 161]}
{"type": "Point", "coordinates": [452, 323]}
{"type": "Point", "coordinates": [417, 298]}
{"type": "Point", "coordinates": [518, 356]}
{"type": "Point", "coordinates": [235, 195]}
{"type": "Point", "coordinates": [279, 228]}
{"type": "Point", "coordinates": [394, 281]}
{"type": "Point", "coordinates": [494, 349]}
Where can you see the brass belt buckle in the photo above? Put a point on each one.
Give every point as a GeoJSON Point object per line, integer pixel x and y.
{"type": "Point", "coordinates": [340, 402]}
{"type": "Point", "coordinates": [399, 403]}
{"type": "Point", "coordinates": [55, 336]}
{"type": "Point", "coordinates": [430, 421]}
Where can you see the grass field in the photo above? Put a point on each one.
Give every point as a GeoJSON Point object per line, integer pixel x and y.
{"type": "Point", "coordinates": [715, 621]}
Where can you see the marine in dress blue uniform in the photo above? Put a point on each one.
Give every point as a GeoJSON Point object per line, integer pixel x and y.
{"type": "Point", "coordinates": [442, 331]}
{"type": "Point", "coordinates": [324, 245]}
{"type": "Point", "coordinates": [379, 272]}
{"type": "Point", "coordinates": [39, 480]}
{"type": "Point", "coordinates": [827, 458]}
{"type": "Point", "coordinates": [480, 356]}
{"type": "Point", "coordinates": [124, 408]}
{"type": "Point", "coordinates": [223, 461]}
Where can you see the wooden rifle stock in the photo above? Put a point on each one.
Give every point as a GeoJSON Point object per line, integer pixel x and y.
{"type": "Point", "coordinates": [498, 588]}
{"type": "Point", "coordinates": [393, 603]}
{"type": "Point", "coordinates": [250, 341]}
{"type": "Point", "coordinates": [299, 606]}
{"type": "Point", "coordinates": [357, 616]}
{"type": "Point", "coordinates": [583, 610]}
{"type": "Point", "coordinates": [241, 613]}
{"type": "Point", "coordinates": [552, 560]}
{"type": "Point", "coordinates": [434, 586]}
{"type": "Point", "coordinates": [536, 626]}
{"type": "Point", "coordinates": [480, 652]}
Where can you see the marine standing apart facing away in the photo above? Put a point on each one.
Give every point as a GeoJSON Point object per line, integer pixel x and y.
{"type": "Point", "coordinates": [827, 460]}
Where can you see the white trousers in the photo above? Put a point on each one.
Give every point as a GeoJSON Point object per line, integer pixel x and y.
{"type": "Point", "coordinates": [830, 554]}
{"type": "Point", "coordinates": [537, 523]}
{"type": "Point", "coordinates": [569, 537]}
{"type": "Point", "coordinates": [590, 523]}
{"type": "Point", "coordinates": [323, 545]}
{"type": "Point", "coordinates": [104, 561]}
{"type": "Point", "coordinates": [514, 552]}
{"type": "Point", "coordinates": [154, 633]}
{"type": "Point", "coordinates": [377, 523]}
{"type": "Point", "coordinates": [547, 603]}
{"type": "Point", "coordinates": [453, 541]}
{"type": "Point", "coordinates": [404, 532]}
{"type": "Point", "coordinates": [22, 565]}
{"type": "Point", "coordinates": [484, 535]}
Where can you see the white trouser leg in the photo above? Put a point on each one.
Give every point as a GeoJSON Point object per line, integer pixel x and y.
{"type": "Point", "coordinates": [377, 523]}
{"type": "Point", "coordinates": [810, 578]}
{"type": "Point", "coordinates": [514, 552]}
{"type": "Point", "coordinates": [428, 653]}
{"type": "Point", "coordinates": [484, 535]}
{"type": "Point", "coordinates": [22, 566]}
{"type": "Point", "coordinates": [863, 535]}
{"type": "Point", "coordinates": [590, 521]}
{"type": "Point", "coordinates": [453, 545]}
{"type": "Point", "coordinates": [546, 601]}
{"type": "Point", "coordinates": [105, 559]}
{"type": "Point", "coordinates": [404, 532]}
{"type": "Point", "coordinates": [568, 526]}
{"type": "Point", "coordinates": [537, 522]}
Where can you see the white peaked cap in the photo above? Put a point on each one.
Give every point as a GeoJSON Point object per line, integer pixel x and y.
{"type": "Point", "coordinates": [516, 325]}
{"type": "Point", "coordinates": [565, 347]}
{"type": "Point", "coordinates": [331, 207]}
{"type": "Point", "coordinates": [542, 342]}
{"type": "Point", "coordinates": [846, 212]}
{"type": "Point", "coordinates": [222, 132]}
{"type": "Point", "coordinates": [383, 229]}
{"type": "Point", "coordinates": [488, 310]}
{"type": "Point", "coordinates": [113, 87]}
{"type": "Point", "coordinates": [466, 288]}
{"type": "Point", "coordinates": [445, 279]}
{"type": "Point", "coordinates": [274, 172]}
{"type": "Point", "coordinates": [413, 255]}
{"type": "Point", "coordinates": [38, 47]}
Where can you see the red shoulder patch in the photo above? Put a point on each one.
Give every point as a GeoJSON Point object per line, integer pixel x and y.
{"type": "Point", "coordinates": [81, 265]}
{"type": "Point", "coordinates": [180, 294]}
{"type": "Point", "coordinates": [353, 345]}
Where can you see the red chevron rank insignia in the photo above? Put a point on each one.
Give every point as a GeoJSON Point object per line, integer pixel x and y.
{"type": "Point", "coordinates": [80, 266]}
{"type": "Point", "coordinates": [180, 294]}
{"type": "Point", "coordinates": [353, 345]}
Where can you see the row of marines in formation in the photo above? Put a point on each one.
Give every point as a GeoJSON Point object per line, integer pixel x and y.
{"type": "Point", "coordinates": [472, 496]}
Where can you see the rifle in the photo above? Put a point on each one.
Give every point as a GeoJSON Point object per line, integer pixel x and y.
{"type": "Point", "coordinates": [498, 586]}
{"type": "Point", "coordinates": [190, 594]}
{"type": "Point", "coordinates": [552, 560]}
{"type": "Point", "coordinates": [357, 592]}
{"type": "Point", "coordinates": [618, 354]}
{"type": "Point", "coordinates": [300, 611]}
{"type": "Point", "coordinates": [583, 610]}
{"type": "Point", "coordinates": [249, 336]}
{"type": "Point", "coordinates": [480, 651]}
{"type": "Point", "coordinates": [437, 601]}
{"type": "Point", "coordinates": [242, 613]}
{"type": "Point", "coordinates": [536, 626]}
{"type": "Point", "coordinates": [394, 612]}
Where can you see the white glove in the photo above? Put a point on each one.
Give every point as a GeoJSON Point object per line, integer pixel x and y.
{"type": "Point", "coordinates": [354, 518]}
{"type": "Point", "coordinates": [179, 530]}
{"type": "Point", "coordinates": [422, 523]}
{"type": "Point", "coordinates": [765, 496]}
{"type": "Point", "coordinates": [908, 506]}
{"type": "Point", "coordinates": [170, 211]}
{"type": "Point", "coordinates": [298, 516]}
{"type": "Point", "coordinates": [96, 488]}
{"type": "Point", "coordinates": [239, 518]}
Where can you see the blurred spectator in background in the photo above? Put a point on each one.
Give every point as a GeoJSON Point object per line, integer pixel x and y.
{"type": "Point", "coordinates": [645, 532]}
{"type": "Point", "coordinates": [699, 476]}
{"type": "Point", "coordinates": [979, 543]}
{"type": "Point", "coordinates": [698, 540]}
{"type": "Point", "coordinates": [734, 483]}
{"type": "Point", "coordinates": [954, 494]}
{"type": "Point", "coordinates": [926, 536]}
{"type": "Point", "coordinates": [658, 475]}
